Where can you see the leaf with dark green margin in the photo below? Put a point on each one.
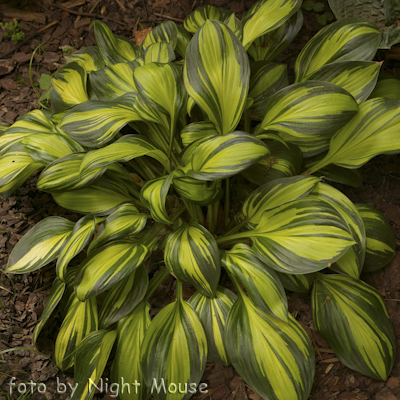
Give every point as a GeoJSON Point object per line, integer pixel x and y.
{"type": "Point", "coordinates": [198, 17]}
{"type": "Point", "coordinates": [89, 56]}
{"type": "Point", "coordinates": [161, 52]}
{"type": "Point", "coordinates": [165, 32]}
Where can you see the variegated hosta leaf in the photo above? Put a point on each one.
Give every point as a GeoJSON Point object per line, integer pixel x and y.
{"type": "Point", "coordinates": [48, 147]}
{"type": "Point", "coordinates": [113, 49]}
{"type": "Point", "coordinates": [112, 81]}
{"type": "Point", "coordinates": [351, 316]}
{"type": "Point", "coordinates": [81, 234]}
{"type": "Point", "coordinates": [3, 127]}
{"type": "Point", "coordinates": [187, 154]}
{"type": "Point", "coordinates": [161, 95]}
{"type": "Point", "coordinates": [300, 237]}
{"type": "Point", "coordinates": [300, 283]}
{"type": "Point", "coordinates": [69, 296]}
{"type": "Point", "coordinates": [81, 319]}
{"type": "Point", "coordinates": [56, 293]}
{"type": "Point", "coordinates": [234, 25]}
{"type": "Point", "coordinates": [124, 297]}
{"type": "Point", "coordinates": [268, 46]}
{"type": "Point", "coordinates": [198, 17]}
{"type": "Point", "coordinates": [161, 52]}
{"type": "Point", "coordinates": [212, 52]}
{"type": "Point", "coordinates": [36, 121]}
{"type": "Point", "coordinates": [174, 334]}
{"type": "Point", "coordinates": [165, 32]}
{"type": "Point", "coordinates": [260, 282]}
{"type": "Point", "coordinates": [374, 130]}
{"type": "Point", "coordinates": [126, 220]}
{"type": "Point", "coordinates": [108, 265]}
{"type": "Point", "coordinates": [285, 160]}
{"type": "Point", "coordinates": [99, 198]}
{"type": "Point", "coordinates": [192, 254]}
{"type": "Point", "coordinates": [352, 261]}
{"type": "Point", "coordinates": [68, 87]}
{"type": "Point", "coordinates": [16, 166]}
{"type": "Point", "coordinates": [153, 196]}
{"type": "Point", "coordinates": [89, 56]}
{"type": "Point", "coordinates": [213, 314]}
{"type": "Point", "coordinates": [64, 173]}
{"type": "Point", "coordinates": [265, 16]}
{"type": "Point", "coordinates": [388, 88]}
{"type": "Point", "coordinates": [126, 364]}
{"type": "Point", "coordinates": [124, 149]}
{"type": "Point", "coordinates": [275, 358]}
{"type": "Point", "coordinates": [357, 77]}
{"type": "Point", "coordinates": [350, 39]}
{"type": "Point", "coordinates": [183, 40]}
{"type": "Point", "coordinates": [197, 130]}
{"type": "Point", "coordinates": [194, 191]}
{"type": "Point", "coordinates": [274, 194]}
{"type": "Point", "coordinates": [227, 155]}
{"type": "Point", "coordinates": [310, 108]}
{"type": "Point", "coordinates": [40, 245]}
{"type": "Point", "coordinates": [266, 79]}
{"type": "Point", "coordinates": [94, 122]}
{"type": "Point", "coordinates": [381, 243]}
{"type": "Point", "coordinates": [91, 359]}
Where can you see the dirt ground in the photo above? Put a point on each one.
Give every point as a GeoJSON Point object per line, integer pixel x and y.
{"type": "Point", "coordinates": [63, 26]}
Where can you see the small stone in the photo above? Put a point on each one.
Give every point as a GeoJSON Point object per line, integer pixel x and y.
{"type": "Point", "coordinates": [347, 396]}
{"type": "Point", "coordinates": [21, 57]}
{"type": "Point", "coordinates": [386, 394]}
{"type": "Point", "coordinates": [10, 116]}
{"type": "Point", "coordinates": [393, 382]}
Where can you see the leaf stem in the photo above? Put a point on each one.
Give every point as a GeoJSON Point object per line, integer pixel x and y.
{"type": "Point", "coordinates": [179, 290]}
{"type": "Point", "coordinates": [232, 238]}
{"type": "Point", "coordinates": [227, 204]}
{"type": "Point", "coordinates": [247, 120]}
{"type": "Point", "coordinates": [155, 282]}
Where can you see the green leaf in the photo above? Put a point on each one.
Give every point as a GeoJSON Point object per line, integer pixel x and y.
{"type": "Point", "coordinates": [124, 149]}
{"type": "Point", "coordinates": [81, 319]}
{"type": "Point", "coordinates": [214, 50]}
{"type": "Point", "coordinates": [91, 358]}
{"type": "Point", "coordinates": [260, 282]}
{"type": "Point", "coordinates": [300, 283]}
{"type": "Point", "coordinates": [357, 77]}
{"type": "Point", "coordinates": [310, 108]}
{"type": "Point", "coordinates": [99, 198]}
{"type": "Point", "coordinates": [275, 358]}
{"type": "Point", "coordinates": [270, 45]}
{"type": "Point", "coordinates": [192, 254]}
{"type": "Point", "coordinates": [108, 265]}
{"type": "Point", "coordinates": [126, 364]}
{"type": "Point", "coordinates": [81, 234]}
{"type": "Point", "coordinates": [284, 160]}
{"type": "Point", "coordinates": [68, 87]}
{"type": "Point", "coordinates": [234, 25]}
{"type": "Point", "coordinates": [373, 131]}
{"type": "Point", "coordinates": [351, 316]}
{"type": "Point", "coordinates": [198, 17]}
{"type": "Point", "coordinates": [112, 81]}
{"type": "Point", "coordinates": [161, 95]}
{"type": "Point", "coordinates": [48, 147]}
{"type": "Point", "coordinates": [174, 334]}
{"type": "Point", "coordinates": [94, 123]}
{"type": "Point", "coordinates": [183, 40]}
{"type": "Point", "coordinates": [56, 293]}
{"type": "Point", "coordinates": [89, 56]}
{"type": "Point", "coordinates": [351, 39]}
{"type": "Point", "coordinates": [308, 5]}
{"type": "Point", "coordinates": [165, 32]}
{"type": "Point", "coordinates": [122, 299]}
{"type": "Point", "coordinates": [213, 314]}
{"type": "Point", "coordinates": [388, 88]}
{"type": "Point", "coordinates": [161, 52]}
{"type": "Point", "coordinates": [274, 194]}
{"type": "Point", "coordinates": [334, 173]}
{"type": "Point", "coordinates": [41, 245]}
{"type": "Point", "coordinates": [227, 155]}
{"type": "Point", "coordinates": [197, 130]}
{"type": "Point", "coordinates": [352, 261]}
{"type": "Point", "coordinates": [381, 243]}
{"type": "Point", "coordinates": [16, 166]}
{"type": "Point", "coordinates": [318, 7]}
{"type": "Point", "coordinates": [124, 221]}
{"type": "Point", "coordinates": [300, 237]}
{"type": "Point", "coordinates": [266, 79]}
{"type": "Point", "coordinates": [45, 81]}
{"type": "Point", "coordinates": [113, 49]}
{"type": "Point", "coordinates": [3, 127]}
{"type": "Point", "coordinates": [265, 16]}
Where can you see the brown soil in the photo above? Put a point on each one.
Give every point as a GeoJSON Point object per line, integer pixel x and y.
{"type": "Point", "coordinates": [23, 296]}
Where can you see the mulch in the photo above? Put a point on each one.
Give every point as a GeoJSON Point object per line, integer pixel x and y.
{"type": "Point", "coordinates": [63, 26]}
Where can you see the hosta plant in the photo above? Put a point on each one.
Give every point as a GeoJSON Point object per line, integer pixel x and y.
{"type": "Point", "coordinates": [195, 145]}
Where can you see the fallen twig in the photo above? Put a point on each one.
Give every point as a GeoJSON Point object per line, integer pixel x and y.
{"type": "Point", "coordinates": [169, 17]}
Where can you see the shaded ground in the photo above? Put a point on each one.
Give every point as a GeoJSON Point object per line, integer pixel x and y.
{"type": "Point", "coordinates": [23, 296]}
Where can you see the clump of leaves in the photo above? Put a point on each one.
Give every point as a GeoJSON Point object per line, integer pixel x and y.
{"type": "Point", "coordinates": [198, 146]}
{"type": "Point", "coordinates": [323, 19]}
{"type": "Point", "coordinates": [13, 30]}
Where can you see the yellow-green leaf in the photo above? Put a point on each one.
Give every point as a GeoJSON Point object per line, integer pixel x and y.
{"type": "Point", "coordinates": [198, 17]}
